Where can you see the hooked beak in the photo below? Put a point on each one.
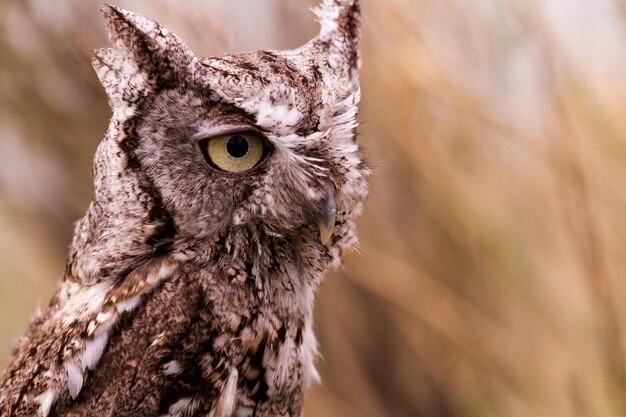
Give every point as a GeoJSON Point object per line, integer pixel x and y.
{"type": "Point", "coordinates": [326, 221]}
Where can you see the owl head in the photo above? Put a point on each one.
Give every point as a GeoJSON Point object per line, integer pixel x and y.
{"type": "Point", "coordinates": [241, 159]}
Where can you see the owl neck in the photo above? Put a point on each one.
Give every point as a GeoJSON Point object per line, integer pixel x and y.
{"type": "Point", "coordinates": [268, 268]}
{"type": "Point", "coordinates": [112, 239]}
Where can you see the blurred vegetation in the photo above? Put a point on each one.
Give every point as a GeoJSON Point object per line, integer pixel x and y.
{"type": "Point", "coordinates": [490, 278]}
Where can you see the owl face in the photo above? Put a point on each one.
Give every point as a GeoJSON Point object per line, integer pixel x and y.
{"type": "Point", "coordinates": [263, 141]}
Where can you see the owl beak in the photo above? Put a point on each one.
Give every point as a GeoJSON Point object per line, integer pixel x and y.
{"type": "Point", "coordinates": [328, 215]}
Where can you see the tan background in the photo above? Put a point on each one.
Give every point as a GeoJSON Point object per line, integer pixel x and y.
{"type": "Point", "coordinates": [491, 276]}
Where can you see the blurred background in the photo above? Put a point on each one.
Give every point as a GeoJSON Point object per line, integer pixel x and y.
{"type": "Point", "coordinates": [491, 277]}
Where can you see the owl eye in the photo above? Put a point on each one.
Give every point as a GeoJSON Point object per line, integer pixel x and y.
{"type": "Point", "coordinates": [234, 152]}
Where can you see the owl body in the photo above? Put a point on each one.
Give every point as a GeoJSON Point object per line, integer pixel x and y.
{"type": "Point", "coordinates": [224, 189]}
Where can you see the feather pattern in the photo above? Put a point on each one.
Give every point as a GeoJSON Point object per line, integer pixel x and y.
{"type": "Point", "coordinates": [189, 290]}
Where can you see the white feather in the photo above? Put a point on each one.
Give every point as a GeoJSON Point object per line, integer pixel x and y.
{"type": "Point", "coordinates": [128, 305]}
{"type": "Point", "coordinates": [75, 378]}
{"type": "Point", "coordinates": [172, 368]}
{"type": "Point", "coordinates": [45, 400]}
{"type": "Point", "coordinates": [93, 350]}
{"type": "Point", "coordinates": [83, 302]}
{"type": "Point", "coordinates": [183, 408]}
{"type": "Point", "coordinates": [226, 403]}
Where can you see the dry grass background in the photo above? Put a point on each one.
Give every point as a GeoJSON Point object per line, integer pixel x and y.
{"type": "Point", "coordinates": [491, 276]}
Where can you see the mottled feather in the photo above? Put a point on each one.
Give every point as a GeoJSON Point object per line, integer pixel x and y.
{"type": "Point", "coordinates": [188, 291]}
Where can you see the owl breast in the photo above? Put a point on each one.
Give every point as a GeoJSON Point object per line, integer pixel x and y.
{"type": "Point", "coordinates": [184, 352]}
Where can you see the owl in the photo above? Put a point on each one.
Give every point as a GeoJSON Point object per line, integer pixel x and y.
{"type": "Point", "coordinates": [225, 188]}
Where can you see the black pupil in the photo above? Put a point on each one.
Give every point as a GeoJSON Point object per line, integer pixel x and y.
{"type": "Point", "coordinates": [237, 146]}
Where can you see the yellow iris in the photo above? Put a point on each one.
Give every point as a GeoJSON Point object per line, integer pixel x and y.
{"type": "Point", "coordinates": [236, 152]}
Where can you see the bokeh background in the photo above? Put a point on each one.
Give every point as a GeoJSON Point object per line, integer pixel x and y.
{"type": "Point", "coordinates": [491, 277]}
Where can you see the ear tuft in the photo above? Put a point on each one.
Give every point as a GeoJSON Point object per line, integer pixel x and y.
{"type": "Point", "coordinates": [340, 18]}
{"type": "Point", "coordinates": [157, 52]}
{"type": "Point", "coordinates": [125, 27]}
{"type": "Point", "coordinates": [121, 78]}
{"type": "Point", "coordinates": [340, 34]}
